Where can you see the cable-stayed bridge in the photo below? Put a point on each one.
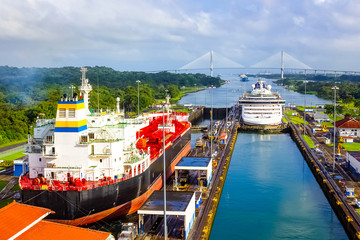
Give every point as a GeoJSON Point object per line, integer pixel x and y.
{"type": "Point", "coordinates": [280, 61]}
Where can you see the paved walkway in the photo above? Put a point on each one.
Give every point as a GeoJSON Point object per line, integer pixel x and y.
{"type": "Point", "coordinates": [6, 177]}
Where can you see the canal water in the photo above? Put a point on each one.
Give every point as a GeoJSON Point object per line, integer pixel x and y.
{"type": "Point", "coordinates": [269, 193]}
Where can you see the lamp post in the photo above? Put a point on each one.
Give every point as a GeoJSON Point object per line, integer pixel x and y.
{"type": "Point", "coordinates": [195, 94]}
{"type": "Point", "coordinates": [226, 105]}
{"type": "Point", "coordinates": [72, 90]}
{"type": "Point", "coordinates": [211, 120]}
{"type": "Point", "coordinates": [334, 88]}
{"type": "Point", "coordinates": [164, 185]}
{"type": "Point", "coordinates": [305, 82]}
{"type": "Point", "coordinates": [138, 82]}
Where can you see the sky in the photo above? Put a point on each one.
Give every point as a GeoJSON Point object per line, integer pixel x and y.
{"type": "Point", "coordinates": [152, 35]}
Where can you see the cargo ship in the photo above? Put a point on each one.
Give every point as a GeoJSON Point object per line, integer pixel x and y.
{"type": "Point", "coordinates": [88, 166]}
{"type": "Point", "coordinates": [244, 78]}
{"type": "Point", "coordinates": [261, 106]}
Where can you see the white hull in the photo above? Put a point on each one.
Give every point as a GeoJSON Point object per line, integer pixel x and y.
{"type": "Point", "coordinates": [276, 120]}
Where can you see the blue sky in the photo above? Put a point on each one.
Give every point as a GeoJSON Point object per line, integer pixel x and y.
{"type": "Point", "coordinates": [167, 34]}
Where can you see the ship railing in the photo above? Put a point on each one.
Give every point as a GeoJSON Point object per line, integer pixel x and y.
{"type": "Point", "coordinates": [100, 154]}
{"type": "Point", "coordinates": [44, 122]}
{"type": "Point", "coordinates": [99, 141]}
{"type": "Point", "coordinates": [135, 158]}
{"type": "Point", "coordinates": [133, 121]}
{"type": "Point", "coordinates": [33, 150]}
{"type": "Point", "coordinates": [51, 154]}
{"type": "Point", "coordinates": [57, 185]}
{"type": "Point", "coordinates": [49, 142]}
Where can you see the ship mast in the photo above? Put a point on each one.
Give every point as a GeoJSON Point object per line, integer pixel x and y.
{"type": "Point", "coordinates": [282, 65]}
{"type": "Point", "coordinates": [85, 89]}
{"type": "Point", "coordinates": [211, 63]}
{"type": "Point", "coordinates": [167, 108]}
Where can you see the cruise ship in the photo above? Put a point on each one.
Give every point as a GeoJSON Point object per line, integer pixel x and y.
{"type": "Point", "coordinates": [261, 106]}
{"type": "Point", "coordinates": [87, 166]}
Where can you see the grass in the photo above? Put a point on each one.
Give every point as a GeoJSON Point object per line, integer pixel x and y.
{"type": "Point", "coordinates": [308, 140]}
{"type": "Point", "coordinates": [13, 143]}
{"type": "Point", "coordinates": [284, 120]}
{"type": "Point", "coordinates": [15, 187]}
{"type": "Point", "coordinates": [337, 117]}
{"type": "Point", "coordinates": [297, 120]}
{"type": "Point", "coordinates": [185, 90]}
{"type": "Point", "coordinates": [6, 202]}
{"type": "Point", "coordinates": [351, 146]}
{"type": "Point", "coordinates": [288, 113]}
{"type": "Point", "coordinates": [187, 110]}
{"type": "Point", "coordinates": [358, 210]}
{"type": "Point", "coordinates": [327, 124]}
{"type": "Point", "coordinates": [301, 108]}
{"type": "Point", "coordinates": [3, 184]}
{"type": "Point", "coordinates": [13, 156]}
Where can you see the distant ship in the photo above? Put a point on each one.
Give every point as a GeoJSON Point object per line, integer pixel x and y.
{"type": "Point", "coordinates": [87, 166]}
{"type": "Point", "coordinates": [244, 78]}
{"type": "Point", "coordinates": [261, 106]}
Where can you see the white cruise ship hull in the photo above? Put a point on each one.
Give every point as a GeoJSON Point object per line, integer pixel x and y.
{"type": "Point", "coordinates": [259, 120]}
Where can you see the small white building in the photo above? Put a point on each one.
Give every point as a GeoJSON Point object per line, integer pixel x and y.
{"type": "Point", "coordinates": [348, 127]}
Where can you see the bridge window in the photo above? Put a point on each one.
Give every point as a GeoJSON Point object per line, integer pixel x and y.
{"type": "Point", "coordinates": [84, 139]}
{"type": "Point", "coordinates": [71, 112]}
{"type": "Point", "coordinates": [91, 135]}
{"type": "Point", "coordinates": [62, 112]}
{"type": "Point", "coordinates": [49, 139]}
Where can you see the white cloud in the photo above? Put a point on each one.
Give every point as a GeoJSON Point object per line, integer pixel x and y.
{"type": "Point", "coordinates": [299, 20]}
{"type": "Point", "coordinates": [167, 34]}
{"type": "Point", "coordinates": [319, 2]}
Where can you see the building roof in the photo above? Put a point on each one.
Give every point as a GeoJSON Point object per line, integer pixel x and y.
{"type": "Point", "coordinates": [16, 217]}
{"type": "Point", "coordinates": [347, 123]}
{"type": "Point", "coordinates": [176, 201]}
{"type": "Point", "coordinates": [50, 230]}
{"type": "Point", "coordinates": [194, 162]}
{"type": "Point", "coordinates": [319, 115]}
{"type": "Point", "coordinates": [22, 221]}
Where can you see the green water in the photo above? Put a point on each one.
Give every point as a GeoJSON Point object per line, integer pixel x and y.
{"type": "Point", "coordinates": [270, 193]}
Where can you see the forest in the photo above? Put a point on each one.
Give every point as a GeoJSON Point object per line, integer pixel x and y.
{"type": "Point", "coordinates": [26, 93]}
{"type": "Point", "coordinates": [347, 96]}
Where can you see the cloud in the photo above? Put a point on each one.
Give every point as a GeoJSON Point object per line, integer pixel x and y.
{"type": "Point", "coordinates": [166, 34]}
{"type": "Point", "coordinates": [299, 21]}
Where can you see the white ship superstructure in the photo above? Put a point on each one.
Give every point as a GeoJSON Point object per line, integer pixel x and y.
{"type": "Point", "coordinates": [84, 144]}
{"type": "Point", "coordinates": [261, 106]}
